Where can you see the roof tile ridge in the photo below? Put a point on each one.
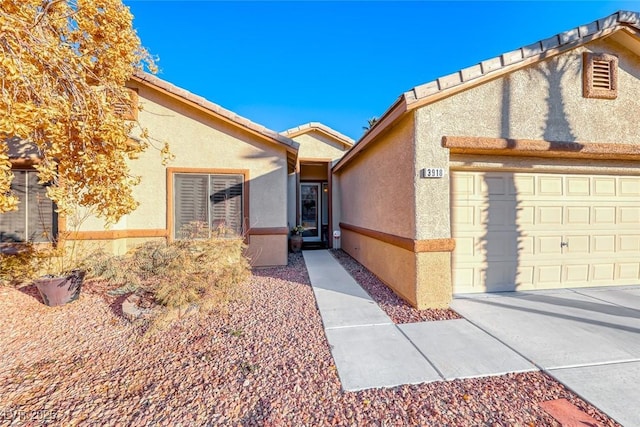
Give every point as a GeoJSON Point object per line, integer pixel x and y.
{"type": "Point", "coordinates": [513, 57]}
{"type": "Point", "coordinates": [216, 108]}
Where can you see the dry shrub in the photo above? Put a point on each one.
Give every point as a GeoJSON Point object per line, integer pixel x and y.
{"type": "Point", "coordinates": [18, 264]}
{"type": "Point", "coordinates": [182, 274]}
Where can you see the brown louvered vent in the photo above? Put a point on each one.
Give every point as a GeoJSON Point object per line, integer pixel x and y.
{"type": "Point", "coordinates": [600, 78]}
{"type": "Point", "coordinates": [128, 108]}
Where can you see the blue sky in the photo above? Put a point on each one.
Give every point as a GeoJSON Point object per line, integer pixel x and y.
{"type": "Point", "coordinates": [282, 64]}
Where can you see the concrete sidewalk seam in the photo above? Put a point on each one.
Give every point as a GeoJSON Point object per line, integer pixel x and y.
{"type": "Point", "coordinates": [435, 368]}
{"type": "Point", "coordinates": [539, 367]}
{"type": "Point", "coordinates": [330, 328]}
{"type": "Point", "coordinates": [588, 365]}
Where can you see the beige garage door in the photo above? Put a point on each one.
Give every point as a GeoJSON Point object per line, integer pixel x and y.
{"type": "Point", "coordinates": [522, 231]}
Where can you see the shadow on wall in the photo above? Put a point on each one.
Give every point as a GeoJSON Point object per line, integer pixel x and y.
{"type": "Point", "coordinates": [557, 126]}
{"type": "Point", "coordinates": [501, 245]}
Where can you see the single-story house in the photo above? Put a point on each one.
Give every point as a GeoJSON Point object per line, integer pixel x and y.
{"type": "Point", "coordinates": [517, 173]}
{"type": "Point", "coordinates": [227, 171]}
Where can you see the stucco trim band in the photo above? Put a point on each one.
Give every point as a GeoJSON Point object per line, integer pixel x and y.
{"type": "Point", "coordinates": [268, 231]}
{"type": "Point", "coordinates": [117, 234]}
{"type": "Point", "coordinates": [540, 148]}
{"type": "Point", "coordinates": [430, 245]}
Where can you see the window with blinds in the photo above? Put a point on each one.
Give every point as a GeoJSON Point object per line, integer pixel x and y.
{"type": "Point", "coordinates": [600, 75]}
{"type": "Point", "coordinates": [35, 219]}
{"type": "Point", "coordinates": [207, 205]}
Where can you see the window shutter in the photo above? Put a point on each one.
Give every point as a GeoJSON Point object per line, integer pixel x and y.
{"type": "Point", "coordinates": [190, 201]}
{"type": "Point", "coordinates": [35, 218]}
{"type": "Point", "coordinates": [226, 202]}
{"type": "Point", "coordinates": [40, 213]}
{"type": "Point", "coordinates": [13, 224]}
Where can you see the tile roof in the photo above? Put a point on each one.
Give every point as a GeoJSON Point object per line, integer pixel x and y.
{"type": "Point", "coordinates": [568, 38]}
{"type": "Point", "coordinates": [311, 126]}
{"type": "Point", "coordinates": [152, 80]}
{"type": "Point", "coordinates": [510, 61]}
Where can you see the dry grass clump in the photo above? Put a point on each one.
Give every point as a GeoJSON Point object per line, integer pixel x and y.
{"type": "Point", "coordinates": [17, 263]}
{"type": "Point", "coordinates": [180, 275]}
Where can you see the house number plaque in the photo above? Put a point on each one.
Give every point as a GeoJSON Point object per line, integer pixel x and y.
{"type": "Point", "coordinates": [432, 173]}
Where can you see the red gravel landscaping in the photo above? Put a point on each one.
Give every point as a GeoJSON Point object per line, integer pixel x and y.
{"type": "Point", "coordinates": [395, 307]}
{"type": "Point", "coordinates": [263, 362]}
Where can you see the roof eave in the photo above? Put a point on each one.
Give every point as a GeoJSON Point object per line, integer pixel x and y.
{"type": "Point", "coordinates": [222, 114]}
{"type": "Point", "coordinates": [397, 110]}
{"type": "Point", "coordinates": [494, 68]}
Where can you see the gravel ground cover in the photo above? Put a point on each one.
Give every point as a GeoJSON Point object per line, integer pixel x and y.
{"type": "Point", "coordinates": [395, 307]}
{"type": "Point", "coordinates": [263, 362]}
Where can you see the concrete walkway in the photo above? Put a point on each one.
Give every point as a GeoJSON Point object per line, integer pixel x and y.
{"type": "Point", "coordinates": [588, 339]}
{"type": "Point", "coordinates": [370, 351]}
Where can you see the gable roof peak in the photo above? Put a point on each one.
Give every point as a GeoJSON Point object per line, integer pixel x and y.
{"type": "Point", "coordinates": [317, 126]}
{"type": "Point", "coordinates": [492, 68]}
{"type": "Point", "coordinates": [535, 51]}
{"type": "Point", "coordinates": [213, 109]}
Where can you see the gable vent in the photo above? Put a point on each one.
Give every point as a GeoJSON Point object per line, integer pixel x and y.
{"type": "Point", "coordinates": [600, 75]}
{"type": "Point", "coordinates": [128, 108]}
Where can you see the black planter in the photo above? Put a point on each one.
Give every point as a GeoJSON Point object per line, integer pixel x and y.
{"type": "Point", "coordinates": [60, 290]}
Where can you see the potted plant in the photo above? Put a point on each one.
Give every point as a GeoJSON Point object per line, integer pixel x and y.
{"type": "Point", "coordinates": [64, 274]}
{"type": "Point", "coordinates": [62, 265]}
{"type": "Point", "coordinates": [295, 241]}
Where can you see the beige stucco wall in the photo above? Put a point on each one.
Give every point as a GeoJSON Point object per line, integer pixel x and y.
{"type": "Point", "coordinates": [314, 145]}
{"type": "Point", "coordinates": [376, 193]}
{"type": "Point", "coordinates": [540, 102]}
{"type": "Point", "coordinates": [199, 141]}
{"type": "Point", "coordinates": [393, 265]}
{"type": "Point", "coordinates": [377, 186]}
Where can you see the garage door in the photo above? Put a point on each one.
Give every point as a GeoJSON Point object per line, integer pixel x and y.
{"type": "Point", "coordinates": [523, 231]}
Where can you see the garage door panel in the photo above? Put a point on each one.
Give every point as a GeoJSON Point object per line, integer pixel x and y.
{"type": "Point", "coordinates": [524, 185]}
{"type": "Point", "coordinates": [525, 215]}
{"type": "Point", "coordinates": [574, 273]}
{"type": "Point", "coordinates": [578, 216]}
{"type": "Point", "coordinates": [629, 215]}
{"type": "Point", "coordinates": [604, 187]}
{"type": "Point", "coordinates": [549, 245]}
{"type": "Point", "coordinates": [604, 215]}
{"type": "Point", "coordinates": [628, 271]}
{"type": "Point", "coordinates": [463, 184]}
{"type": "Point", "coordinates": [578, 186]}
{"type": "Point", "coordinates": [549, 185]}
{"type": "Point", "coordinates": [549, 215]}
{"type": "Point", "coordinates": [549, 274]}
{"type": "Point", "coordinates": [578, 244]}
{"type": "Point", "coordinates": [604, 244]}
{"type": "Point", "coordinates": [629, 187]}
{"type": "Point", "coordinates": [629, 243]}
{"type": "Point", "coordinates": [603, 272]}
{"type": "Point", "coordinates": [520, 230]}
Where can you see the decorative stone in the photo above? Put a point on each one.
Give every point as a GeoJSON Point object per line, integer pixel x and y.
{"type": "Point", "coordinates": [135, 307]}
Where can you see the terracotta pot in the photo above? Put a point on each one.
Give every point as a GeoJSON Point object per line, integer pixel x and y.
{"type": "Point", "coordinates": [295, 243]}
{"type": "Point", "coordinates": [60, 290]}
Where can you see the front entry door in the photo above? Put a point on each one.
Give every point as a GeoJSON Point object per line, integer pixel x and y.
{"type": "Point", "coordinates": [310, 210]}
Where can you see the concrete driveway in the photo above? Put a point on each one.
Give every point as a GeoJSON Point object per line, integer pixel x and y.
{"type": "Point", "coordinates": [588, 339]}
